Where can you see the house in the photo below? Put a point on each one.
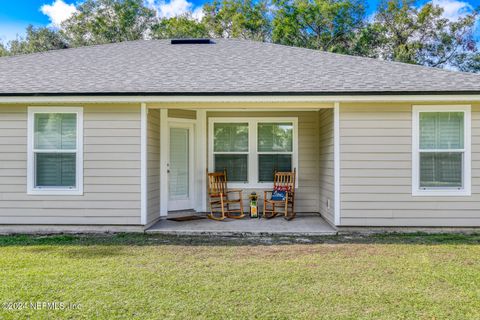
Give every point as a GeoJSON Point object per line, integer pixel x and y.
{"type": "Point", "coordinates": [116, 136]}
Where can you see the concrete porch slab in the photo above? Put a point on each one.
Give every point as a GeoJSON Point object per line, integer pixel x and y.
{"type": "Point", "coordinates": [302, 225]}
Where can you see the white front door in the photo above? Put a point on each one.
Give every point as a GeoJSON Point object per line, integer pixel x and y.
{"type": "Point", "coordinates": [180, 167]}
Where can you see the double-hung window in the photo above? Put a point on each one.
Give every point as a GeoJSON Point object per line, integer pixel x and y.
{"type": "Point", "coordinates": [274, 148]}
{"type": "Point", "coordinates": [230, 149]}
{"type": "Point", "coordinates": [252, 149]}
{"type": "Point", "coordinates": [441, 150]}
{"type": "Point", "coordinates": [55, 146]}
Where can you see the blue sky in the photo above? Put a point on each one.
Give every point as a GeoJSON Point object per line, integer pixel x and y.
{"type": "Point", "coordinates": [16, 15]}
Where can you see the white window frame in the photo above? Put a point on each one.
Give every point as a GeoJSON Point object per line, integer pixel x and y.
{"type": "Point", "coordinates": [252, 147]}
{"type": "Point", "coordinates": [31, 189]}
{"type": "Point", "coordinates": [466, 170]}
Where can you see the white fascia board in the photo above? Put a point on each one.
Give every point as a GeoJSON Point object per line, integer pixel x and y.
{"type": "Point", "coordinates": [219, 98]}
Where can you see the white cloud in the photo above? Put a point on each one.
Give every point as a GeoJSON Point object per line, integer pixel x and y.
{"type": "Point", "coordinates": [198, 14]}
{"type": "Point", "coordinates": [453, 9]}
{"type": "Point", "coordinates": [58, 12]}
{"type": "Point", "coordinates": [174, 8]}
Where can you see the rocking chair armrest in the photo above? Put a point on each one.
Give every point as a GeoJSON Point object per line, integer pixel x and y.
{"type": "Point", "coordinates": [217, 195]}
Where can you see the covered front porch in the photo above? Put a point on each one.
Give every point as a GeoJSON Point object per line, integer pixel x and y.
{"type": "Point", "coordinates": [250, 141]}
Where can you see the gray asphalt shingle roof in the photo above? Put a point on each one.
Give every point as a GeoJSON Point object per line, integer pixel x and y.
{"type": "Point", "coordinates": [227, 67]}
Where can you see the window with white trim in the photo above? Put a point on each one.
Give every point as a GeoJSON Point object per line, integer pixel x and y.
{"type": "Point", "coordinates": [441, 155]}
{"type": "Point", "coordinates": [274, 148]}
{"type": "Point", "coordinates": [230, 149]}
{"type": "Point", "coordinates": [55, 150]}
{"type": "Point", "coordinates": [251, 150]}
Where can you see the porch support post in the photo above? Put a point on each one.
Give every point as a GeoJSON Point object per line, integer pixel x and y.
{"type": "Point", "coordinates": [336, 161]}
{"type": "Point", "coordinates": [164, 153]}
{"type": "Point", "coordinates": [201, 161]}
{"type": "Point", "coordinates": [143, 163]}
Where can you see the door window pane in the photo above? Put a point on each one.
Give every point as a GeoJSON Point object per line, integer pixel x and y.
{"type": "Point", "coordinates": [235, 164]}
{"type": "Point", "coordinates": [55, 131]}
{"type": "Point", "coordinates": [268, 164]}
{"type": "Point", "coordinates": [230, 137]}
{"type": "Point", "coordinates": [275, 137]}
{"type": "Point", "coordinates": [441, 169]}
{"type": "Point", "coordinates": [441, 130]}
{"type": "Point", "coordinates": [55, 170]}
{"type": "Point", "coordinates": [179, 164]}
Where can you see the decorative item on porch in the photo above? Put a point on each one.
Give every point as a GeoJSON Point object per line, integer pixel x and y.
{"type": "Point", "coordinates": [253, 205]}
{"type": "Point", "coordinates": [282, 197]}
{"type": "Point", "coordinates": [220, 198]}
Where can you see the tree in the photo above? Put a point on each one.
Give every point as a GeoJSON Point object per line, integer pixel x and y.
{"type": "Point", "coordinates": [366, 41]}
{"type": "Point", "coordinates": [107, 21]}
{"type": "Point", "coordinates": [244, 19]}
{"type": "Point", "coordinates": [328, 25]}
{"type": "Point", "coordinates": [469, 62]}
{"type": "Point", "coordinates": [3, 50]}
{"type": "Point", "coordinates": [423, 36]}
{"type": "Point", "coordinates": [36, 40]}
{"type": "Point", "coordinates": [179, 27]}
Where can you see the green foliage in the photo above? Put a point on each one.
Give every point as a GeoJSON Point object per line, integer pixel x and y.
{"type": "Point", "coordinates": [329, 25]}
{"type": "Point", "coordinates": [244, 19]}
{"type": "Point", "coordinates": [469, 62]}
{"type": "Point", "coordinates": [36, 40]}
{"type": "Point", "coordinates": [422, 35]}
{"type": "Point", "coordinates": [144, 276]}
{"type": "Point", "coordinates": [366, 41]}
{"type": "Point", "coordinates": [3, 50]}
{"type": "Point", "coordinates": [179, 27]}
{"type": "Point", "coordinates": [108, 21]}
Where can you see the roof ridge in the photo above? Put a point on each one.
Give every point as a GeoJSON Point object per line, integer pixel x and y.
{"type": "Point", "coordinates": [343, 55]}
{"type": "Point", "coordinates": [78, 48]}
{"type": "Point", "coordinates": [365, 58]}
{"type": "Point", "coordinates": [437, 69]}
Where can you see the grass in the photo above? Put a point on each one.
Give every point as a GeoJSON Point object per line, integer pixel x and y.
{"type": "Point", "coordinates": [136, 276]}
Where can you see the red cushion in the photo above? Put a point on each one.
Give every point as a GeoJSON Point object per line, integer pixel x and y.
{"type": "Point", "coordinates": [282, 188]}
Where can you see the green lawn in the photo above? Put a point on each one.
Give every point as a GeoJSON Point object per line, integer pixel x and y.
{"type": "Point", "coordinates": [153, 277]}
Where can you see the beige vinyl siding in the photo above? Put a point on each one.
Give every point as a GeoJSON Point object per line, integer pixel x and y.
{"type": "Point", "coordinates": [307, 194]}
{"type": "Point", "coordinates": [153, 165]}
{"type": "Point", "coordinates": [182, 114]}
{"type": "Point", "coordinates": [111, 170]}
{"type": "Point", "coordinates": [326, 163]}
{"type": "Point", "coordinates": [376, 171]}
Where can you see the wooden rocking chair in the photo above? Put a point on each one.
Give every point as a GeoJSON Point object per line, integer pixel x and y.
{"type": "Point", "coordinates": [220, 200]}
{"type": "Point", "coordinates": [284, 181]}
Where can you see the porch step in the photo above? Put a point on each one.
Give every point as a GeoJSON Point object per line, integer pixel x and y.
{"type": "Point", "coordinates": [302, 225]}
